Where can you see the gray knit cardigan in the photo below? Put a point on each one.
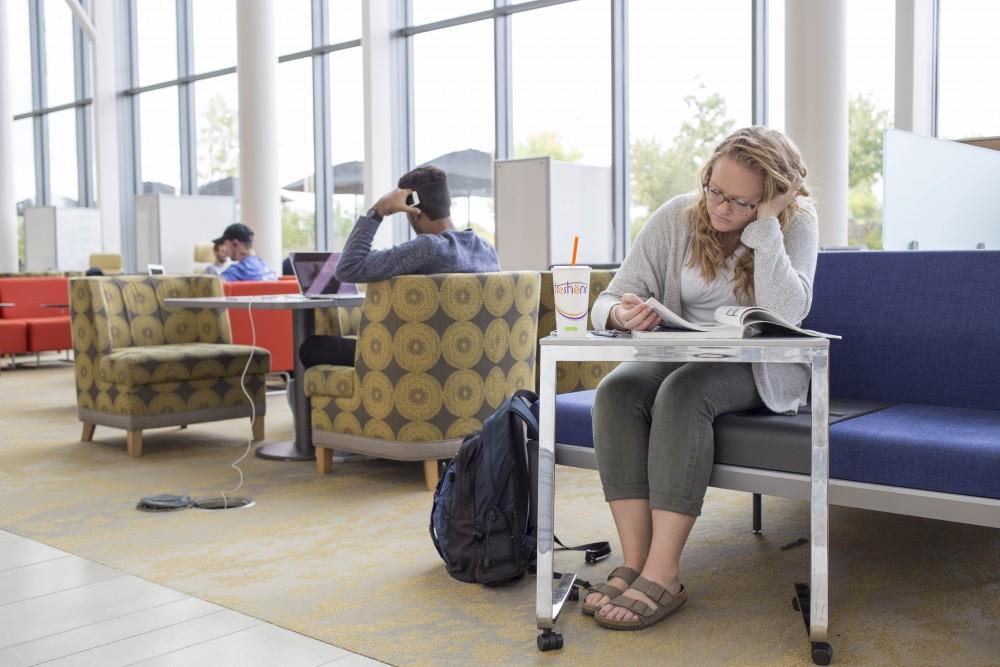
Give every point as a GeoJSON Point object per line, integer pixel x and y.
{"type": "Point", "coordinates": [784, 266]}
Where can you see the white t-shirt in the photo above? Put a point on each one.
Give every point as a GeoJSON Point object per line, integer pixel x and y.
{"type": "Point", "coordinates": [217, 269]}
{"type": "Point", "coordinates": [700, 299]}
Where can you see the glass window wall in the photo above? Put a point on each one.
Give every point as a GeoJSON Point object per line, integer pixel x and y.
{"type": "Point", "coordinates": [681, 106]}
{"type": "Point", "coordinates": [296, 157]}
{"type": "Point", "coordinates": [215, 34]}
{"type": "Point", "coordinates": [347, 127]}
{"type": "Point", "coordinates": [453, 116]}
{"type": "Point", "coordinates": [156, 40]}
{"type": "Point", "coordinates": [871, 29]}
{"type": "Point", "coordinates": [59, 77]}
{"type": "Point", "coordinates": [968, 98]}
{"type": "Point", "coordinates": [159, 147]}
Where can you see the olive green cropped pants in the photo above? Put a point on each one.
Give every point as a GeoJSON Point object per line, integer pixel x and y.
{"type": "Point", "coordinates": [653, 433]}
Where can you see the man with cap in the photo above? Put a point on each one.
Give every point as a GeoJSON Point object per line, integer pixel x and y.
{"type": "Point", "coordinates": [238, 241]}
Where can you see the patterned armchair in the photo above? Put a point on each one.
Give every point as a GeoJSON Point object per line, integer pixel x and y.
{"type": "Point", "coordinates": [141, 364]}
{"type": "Point", "coordinates": [436, 356]}
{"type": "Point", "coordinates": [572, 375]}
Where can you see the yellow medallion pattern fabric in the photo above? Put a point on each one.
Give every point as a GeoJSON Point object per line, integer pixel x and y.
{"type": "Point", "coordinates": [436, 356]}
{"type": "Point", "coordinates": [573, 375]}
{"type": "Point", "coordinates": [137, 357]}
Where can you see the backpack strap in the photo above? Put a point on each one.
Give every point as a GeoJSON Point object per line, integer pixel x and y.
{"type": "Point", "coordinates": [520, 404]}
{"type": "Point", "coordinates": [593, 551]}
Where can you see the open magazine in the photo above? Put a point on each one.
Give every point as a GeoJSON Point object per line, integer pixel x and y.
{"type": "Point", "coordinates": [730, 322]}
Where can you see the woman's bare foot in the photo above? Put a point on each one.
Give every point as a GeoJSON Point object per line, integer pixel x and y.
{"type": "Point", "coordinates": [598, 599]}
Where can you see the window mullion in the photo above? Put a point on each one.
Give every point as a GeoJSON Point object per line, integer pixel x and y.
{"type": "Point", "coordinates": [503, 85]}
{"type": "Point", "coordinates": [185, 97]}
{"type": "Point", "coordinates": [322, 155]}
{"type": "Point", "coordinates": [84, 141]}
{"type": "Point", "coordinates": [759, 42]}
{"type": "Point", "coordinates": [620, 153]}
{"type": "Point", "coordinates": [39, 95]}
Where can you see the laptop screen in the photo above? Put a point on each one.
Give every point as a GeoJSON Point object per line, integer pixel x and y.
{"type": "Point", "coordinates": [314, 273]}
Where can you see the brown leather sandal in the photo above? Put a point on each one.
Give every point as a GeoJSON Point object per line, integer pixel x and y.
{"type": "Point", "coordinates": [647, 616]}
{"type": "Point", "coordinates": [626, 574]}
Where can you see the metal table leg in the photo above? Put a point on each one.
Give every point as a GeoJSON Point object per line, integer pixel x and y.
{"type": "Point", "coordinates": [550, 594]}
{"type": "Point", "coordinates": [822, 653]}
{"type": "Point", "coordinates": [301, 448]}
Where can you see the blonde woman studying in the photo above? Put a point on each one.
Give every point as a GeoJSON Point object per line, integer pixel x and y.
{"type": "Point", "coordinates": [748, 236]}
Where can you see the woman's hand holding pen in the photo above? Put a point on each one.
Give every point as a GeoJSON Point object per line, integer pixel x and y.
{"type": "Point", "coordinates": [633, 314]}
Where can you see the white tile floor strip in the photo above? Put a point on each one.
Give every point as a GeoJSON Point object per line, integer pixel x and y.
{"type": "Point", "coordinates": [50, 576]}
{"type": "Point", "coordinates": [60, 610]}
{"type": "Point", "coordinates": [98, 635]}
{"type": "Point", "coordinates": [16, 551]}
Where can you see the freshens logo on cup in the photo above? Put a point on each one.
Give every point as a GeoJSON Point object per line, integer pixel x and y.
{"type": "Point", "coordinates": [571, 286]}
{"type": "Point", "coordinates": [572, 289]}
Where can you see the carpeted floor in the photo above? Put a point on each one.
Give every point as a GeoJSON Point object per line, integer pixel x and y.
{"type": "Point", "coordinates": [346, 558]}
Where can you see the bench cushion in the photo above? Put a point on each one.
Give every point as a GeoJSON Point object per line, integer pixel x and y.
{"type": "Point", "coordinates": [952, 450]}
{"type": "Point", "coordinates": [49, 333]}
{"type": "Point", "coordinates": [763, 439]}
{"type": "Point", "coordinates": [137, 366]}
{"type": "Point", "coordinates": [573, 417]}
{"type": "Point", "coordinates": [13, 336]}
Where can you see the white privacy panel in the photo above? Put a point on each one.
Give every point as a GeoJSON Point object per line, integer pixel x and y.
{"type": "Point", "coordinates": [541, 204]}
{"type": "Point", "coordinates": [60, 239]}
{"type": "Point", "coordinates": [167, 227]}
{"type": "Point", "coordinates": [943, 195]}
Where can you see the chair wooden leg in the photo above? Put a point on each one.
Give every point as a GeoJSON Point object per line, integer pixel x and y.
{"type": "Point", "coordinates": [324, 460]}
{"type": "Point", "coordinates": [431, 474]}
{"type": "Point", "coordinates": [88, 432]}
{"type": "Point", "coordinates": [134, 440]}
{"type": "Point", "coordinates": [258, 428]}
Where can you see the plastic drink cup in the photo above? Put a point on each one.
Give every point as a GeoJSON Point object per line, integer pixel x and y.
{"type": "Point", "coordinates": [572, 299]}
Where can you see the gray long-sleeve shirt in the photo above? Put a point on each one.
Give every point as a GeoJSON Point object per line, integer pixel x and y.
{"type": "Point", "coordinates": [448, 252]}
{"type": "Point", "coordinates": [784, 265]}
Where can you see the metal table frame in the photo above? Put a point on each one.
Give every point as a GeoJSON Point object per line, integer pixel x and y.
{"type": "Point", "coordinates": [551, 593]}
{"type": "Point", "coordinates": [303, 319]}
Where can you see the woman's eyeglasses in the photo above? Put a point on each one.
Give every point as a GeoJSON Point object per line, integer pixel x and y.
{"type": "Point", "coordinates": [738, 206]}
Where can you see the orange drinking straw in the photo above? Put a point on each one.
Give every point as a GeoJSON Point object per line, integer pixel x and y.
{"type": "Point", "coordinates": [576, 244]}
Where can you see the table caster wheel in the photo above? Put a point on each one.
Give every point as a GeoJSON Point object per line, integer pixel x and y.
{"type": "Point", "coordinates": [574, 594]}
{"type": "Point", "coordinates": [795, 604]}
{"type": "Point", "coordinates": [549, 641]}
{"type": "Point", "coordinates": [822, 653]}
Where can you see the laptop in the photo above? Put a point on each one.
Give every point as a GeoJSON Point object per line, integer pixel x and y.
{"type": "Point", "coordinates": [314, 271]}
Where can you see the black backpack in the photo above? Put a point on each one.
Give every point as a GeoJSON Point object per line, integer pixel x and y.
{"type": "Point", "coordinates": [483, 518]}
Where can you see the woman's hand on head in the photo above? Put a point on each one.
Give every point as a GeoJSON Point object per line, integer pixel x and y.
{"type": "Point", "coordinates": [773, 207]}
{"type": "Point", "coordinates": [632, 313]}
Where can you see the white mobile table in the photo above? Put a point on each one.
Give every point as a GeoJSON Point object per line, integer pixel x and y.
{"type": "Point", "coordinates": [303, 319]}
{"type": "Point", "coordinates": [552, 593]}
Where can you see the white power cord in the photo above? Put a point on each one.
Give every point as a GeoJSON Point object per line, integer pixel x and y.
{"type": "Point", "coordinates": [235, 465]}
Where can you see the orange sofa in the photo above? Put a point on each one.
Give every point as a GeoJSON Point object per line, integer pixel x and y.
{"type": "Point", "coordinates": [273, 327]}
{"type": "Point", "coordinates": [27, 326]}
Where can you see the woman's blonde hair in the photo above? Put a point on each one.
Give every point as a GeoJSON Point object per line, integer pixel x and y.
{"type": "Point", "coordinates": [767, 152]}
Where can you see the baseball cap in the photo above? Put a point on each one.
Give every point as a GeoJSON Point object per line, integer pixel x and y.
{"type": "Point", "coordinates": [236, 232]}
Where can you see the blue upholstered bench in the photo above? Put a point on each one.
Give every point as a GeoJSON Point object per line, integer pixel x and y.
{"type": "Point", "coordinates": [914, 411]}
